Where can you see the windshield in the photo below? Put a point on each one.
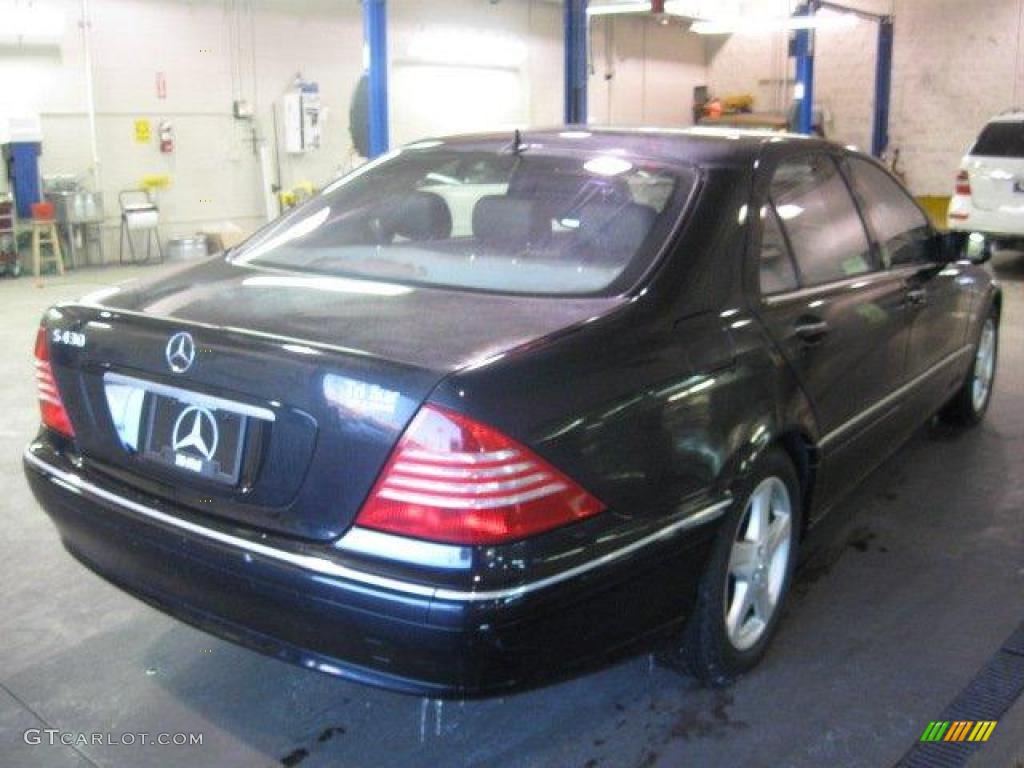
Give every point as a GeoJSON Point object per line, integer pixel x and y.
{"type": "Point", "coordinates": [488, 219]}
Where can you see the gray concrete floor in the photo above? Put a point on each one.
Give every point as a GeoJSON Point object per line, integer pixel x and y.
{"type": "Point", "coordinates": [923, 581]}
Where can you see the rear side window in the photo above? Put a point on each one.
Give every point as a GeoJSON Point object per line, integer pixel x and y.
{"type": "Point", "coordinates": [776, 267]}
{"type": "Point", "coordinates": [820, 219]}
{"type": "Point", "coordinates": [900, 227]}
{"type": "Point", "coordinates": [1000, 140]}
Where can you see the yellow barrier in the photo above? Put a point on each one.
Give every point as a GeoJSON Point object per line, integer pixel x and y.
{"type": "Point", "coordinates": [936, 207]}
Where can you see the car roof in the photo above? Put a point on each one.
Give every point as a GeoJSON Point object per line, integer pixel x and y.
{"type": "Point", "coordinates": [1013, 116]}
{"type": "Point", "coordinates": [701, 145]}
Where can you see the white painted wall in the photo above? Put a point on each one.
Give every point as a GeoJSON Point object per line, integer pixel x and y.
{"type": "Point", "coordinates": [205, 50]}
{"type": "Point", "coordinates": [473, 65]}
{"type": "Point", "coordinates": [644, 72]}
{"type": "Point", "coordinates": [212, 52]}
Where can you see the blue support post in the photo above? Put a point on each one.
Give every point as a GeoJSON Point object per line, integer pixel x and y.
{"type": "Point", "coordinates": [576, 61]}
{"type": "Point", "coordinates": [883, 87]}
{"type": "Point", "coordinates": [804, 54]}
{"type": "Point", "coordinates": [375, 40]}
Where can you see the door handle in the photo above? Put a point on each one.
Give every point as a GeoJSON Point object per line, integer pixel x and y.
{"type": "Point", "coordinates": [811, 330]}
{"type": "Point", "coordinates": [917, 297]}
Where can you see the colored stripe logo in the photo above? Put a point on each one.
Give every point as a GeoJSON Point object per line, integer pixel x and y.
{"type": "Point", "coordinates": [958, 730]}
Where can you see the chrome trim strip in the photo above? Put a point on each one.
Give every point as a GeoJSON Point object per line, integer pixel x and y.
{"type": "Point", "coordinates": [706, 515]}
{"type": "Point", "coordinates": [188, 396]}
{"type": "Point", "coordinates": [854, 282]}
{"type": "Point", "coordinates": [307, 562]}
{"type": "Point", "coordinates": [333, 569]}
{"type": "Point", "coordinates": [365, 541]}
{"type": "Point", "coordinates": [871, 410]}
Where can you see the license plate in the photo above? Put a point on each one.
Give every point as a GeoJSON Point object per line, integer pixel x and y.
{"type": "Point", "coordinates": [194, 438]}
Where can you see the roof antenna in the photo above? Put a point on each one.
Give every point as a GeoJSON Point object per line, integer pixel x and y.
{"type": "Point", "coordinates": [517, 143]}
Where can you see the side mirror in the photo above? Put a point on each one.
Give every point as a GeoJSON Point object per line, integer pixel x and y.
{"type": "Point", "coordinates": [948, 246]}
{"type": "Point", "coordinates": [954, 246]}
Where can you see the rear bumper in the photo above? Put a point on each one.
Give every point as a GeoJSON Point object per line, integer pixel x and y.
{"type": "Point", "coordinates": [373, 630]}
{"type": "Point", "coordinates": [998, 225]}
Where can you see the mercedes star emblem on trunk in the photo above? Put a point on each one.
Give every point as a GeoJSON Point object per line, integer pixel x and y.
{"type": "Point", "coordinates": [180, 352]}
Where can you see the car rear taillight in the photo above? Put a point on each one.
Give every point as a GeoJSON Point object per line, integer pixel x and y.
{"type": "Point", "coordinates": [55, 416]}
{"type": "Point", "coordinates": [454, 480]}
{"type": "Point", "coordinates": [963, 184]}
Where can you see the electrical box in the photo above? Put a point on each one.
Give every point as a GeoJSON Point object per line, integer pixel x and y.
{"type": "Point", "coordinates": [302, 118]}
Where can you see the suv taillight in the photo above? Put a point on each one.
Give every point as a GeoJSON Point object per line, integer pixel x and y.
{"type": "Point", "coordinates": [454, 480]}
{"type": "Point", "coordinates": [50, 404]}
{"type": "Point", "coordinates": [963, 184]}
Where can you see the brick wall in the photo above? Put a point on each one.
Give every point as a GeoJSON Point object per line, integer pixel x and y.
{"type": "Point", "coordinates": [956, 63]}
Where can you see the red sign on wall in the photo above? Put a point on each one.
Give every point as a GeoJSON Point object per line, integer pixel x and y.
{"type": "Point", "coordinates": [161, 85]}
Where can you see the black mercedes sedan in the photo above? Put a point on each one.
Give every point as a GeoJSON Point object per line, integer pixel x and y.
{"type": "Point", "coordinates": [491, 410]}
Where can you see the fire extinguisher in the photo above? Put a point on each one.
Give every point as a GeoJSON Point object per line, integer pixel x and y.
{"type": "Point", "coordinates": [166, 131]}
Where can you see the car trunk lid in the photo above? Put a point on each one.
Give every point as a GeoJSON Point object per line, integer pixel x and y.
{"type": "Point", "coordinates": [996, 168]}
{"type": "Point", "coordinates": [310, 382]}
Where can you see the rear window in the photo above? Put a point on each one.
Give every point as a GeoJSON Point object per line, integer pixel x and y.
{"type": "Point", "coordinates": [1001, 140]}
{"type": "Point", "coordinates": [536, 222]}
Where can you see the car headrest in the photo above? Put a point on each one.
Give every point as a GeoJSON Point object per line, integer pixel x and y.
{"type": "Point", "coordinates": [501, 219]}
{"type": "Point", "coordinates": [420, 216]}
{"type": "Point", "coordinates": [616, 228]}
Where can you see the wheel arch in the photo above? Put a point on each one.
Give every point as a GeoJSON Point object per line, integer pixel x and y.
{"type": "Point", "coordinates": [802, 451]}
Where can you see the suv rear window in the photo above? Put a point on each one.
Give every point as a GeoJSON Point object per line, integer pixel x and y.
{"type": "Point", "coordinates": [481, 217]}
{"type": "Point", "coordinates": [1002, 139]}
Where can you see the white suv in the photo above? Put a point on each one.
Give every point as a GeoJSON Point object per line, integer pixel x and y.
{"type": "Point", "coordinates": [988, 200]}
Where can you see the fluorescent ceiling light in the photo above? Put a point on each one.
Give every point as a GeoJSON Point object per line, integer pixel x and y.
{"type": "Point", "coordinates": [736, 25]}
{"type": "Point", "coordinates": [330, 284]}
{"type": "Point", "coordinates": [29, 25]}
{"type": "Point", "coordinates": [604, 165]}
{"type": "Point", "coordinates": [613, 9]}
{"type": "Point", "coordinates": [789, 211]}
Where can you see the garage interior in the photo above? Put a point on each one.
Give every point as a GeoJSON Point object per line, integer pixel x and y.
{"type": "Point", "coordinates": [151, 133]}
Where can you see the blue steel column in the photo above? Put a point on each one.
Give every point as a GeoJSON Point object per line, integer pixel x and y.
{"type": "Point", "coordinates": [883, 87]}
{"type": "Point", "coordinates": [576, 61]}
{"type": "Point", "coordinates": [375, 40]}
{"type": "Point", "coordinates": [804, 53]}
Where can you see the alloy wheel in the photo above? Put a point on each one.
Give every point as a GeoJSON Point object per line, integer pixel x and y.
{"type": "Point", "coordinates": [984, 366]}
{"type": "Point", "coordinates": [758, 563]}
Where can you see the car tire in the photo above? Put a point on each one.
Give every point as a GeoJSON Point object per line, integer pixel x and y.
{"type": "Point", "coordinates": [723, 638]}
{"type": "Point", "coordinates": [970, 403]}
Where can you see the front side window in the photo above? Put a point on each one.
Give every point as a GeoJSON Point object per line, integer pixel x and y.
{"type": "Point", "coordinates": [481, 217]}
{"type": "Point", "coordinates": [900, 227]}
{"type": "Point", "coordinates": [820, 219]}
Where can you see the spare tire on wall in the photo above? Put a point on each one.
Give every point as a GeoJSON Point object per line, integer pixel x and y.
{"type": "Point", "coordinates": [359, 116]}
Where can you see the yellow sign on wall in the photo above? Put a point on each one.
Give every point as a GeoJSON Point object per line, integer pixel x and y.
{"type": "Point", "coordinates": [142, 131]}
